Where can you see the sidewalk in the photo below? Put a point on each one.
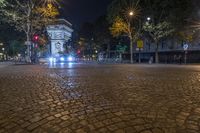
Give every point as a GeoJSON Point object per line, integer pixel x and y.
{"type": "Point", "coordinates": [6, 63]}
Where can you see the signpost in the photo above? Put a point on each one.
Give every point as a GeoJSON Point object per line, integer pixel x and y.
{"type": "Point", "coordinates": [121, 49]}
{"type": "Point", "coordinates": [185, 47]}
{"type": "Point", "coordinates": [140, 45]}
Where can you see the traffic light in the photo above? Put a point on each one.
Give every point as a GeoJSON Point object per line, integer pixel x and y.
{"type": "Point", "coordinates": [35, 38]}
{"type": "Point", "coordinates": [78, 52]}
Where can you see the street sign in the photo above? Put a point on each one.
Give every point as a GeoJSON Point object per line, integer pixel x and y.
{"type": "Point", "coordinates": [139, 49]}
{"type": "Point", "coordinates": [140, 44]}
{"type": "Point", "coordinates": [121, 48]}
{"type": "Point", "coordinates": [185, 47]}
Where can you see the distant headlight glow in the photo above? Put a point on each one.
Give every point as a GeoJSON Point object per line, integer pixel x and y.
{"type": "Point", "coordinates": [54, 59]}
{"type": "Point", "coordinates": [70, 58]}
{"type": "Point", "coordinates": [62, 59]}
{"type": "Point", "coordinates": [51, 59]}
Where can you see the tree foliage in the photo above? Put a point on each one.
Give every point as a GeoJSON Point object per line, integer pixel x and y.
{"type": "Point", "coordinates": [8, 33]}
{"type": "Point", "coordinates": [119, 27]}
{"type": "Point", "coordinates": [123, 23]}
{"type": "Point", "coordinates": [87, 31]}
{"type": "Point", "coordinates": [2, 3]}
{"type": "Point", "coordinates": [49, 11]}
{"type": "Point", "coordinates": [176, 12]}
{"type": "Point", "coordinates": [29, 15]}
{"type": "Point", "coordinates": [186, 36]}
{"type": "Point", "coordinates": [158, 31]}
{"type": "Point", "coordinates": [94, 36]}
{"type": "Point", "coordinates": [102, 34]}
{"type": "Point", "coordinates": [121, 8]}
{"type": "Point", "coordinates": [16, 47]}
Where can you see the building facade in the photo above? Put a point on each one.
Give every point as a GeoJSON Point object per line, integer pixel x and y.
{"type": "Point", "coordinates": [170, 51]}
{"type": "Point", "coordinates": [59, 34]}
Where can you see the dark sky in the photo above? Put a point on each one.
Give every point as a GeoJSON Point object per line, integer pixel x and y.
{"type": "Point", "coordinates": [79, 11]}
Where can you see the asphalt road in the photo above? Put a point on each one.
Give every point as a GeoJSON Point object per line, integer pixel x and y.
{"type": "Point", "coordinates": [92, 98]}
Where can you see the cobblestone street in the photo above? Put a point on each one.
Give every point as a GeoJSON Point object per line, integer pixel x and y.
{"type": "Point", "coordinates": [94, 98]}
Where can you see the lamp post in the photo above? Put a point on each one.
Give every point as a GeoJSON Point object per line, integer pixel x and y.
{"type": "Point", "coordinates": [131, 14]}
{"type": "Point", "coordinates": [3, 49]}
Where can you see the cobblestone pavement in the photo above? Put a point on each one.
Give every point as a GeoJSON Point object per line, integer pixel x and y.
{"type": "Point", "coordinates": [100, 99]}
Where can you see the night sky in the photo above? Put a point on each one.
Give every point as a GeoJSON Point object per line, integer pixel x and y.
{"type": "Point", "coordinates": [80, 11]}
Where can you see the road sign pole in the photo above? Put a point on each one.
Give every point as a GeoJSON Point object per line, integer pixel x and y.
{"type": "Point", "coordinates": [185, 58]}
{"type": "Point", "coordinates": [140, 45]}
{"type": "Point", "coordinates": [185, 47]}
{"type": "Point", "coordinates": [139, 56]}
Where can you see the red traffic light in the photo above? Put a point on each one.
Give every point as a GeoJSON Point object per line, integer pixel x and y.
{"type": "Point", "coordinates": [78, 52]}
{"type": "Point", "coordinates": [35, 38]}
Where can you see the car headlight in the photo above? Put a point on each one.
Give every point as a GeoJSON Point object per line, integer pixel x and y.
{"type": "Point", "coordinates": [70, 58]}
{"type": "Point", "coordinates": [54, 59]}
{"type": "Point", "coordinates": [62, 59]}
{"type": "Point", "coordinates": [51, 59]}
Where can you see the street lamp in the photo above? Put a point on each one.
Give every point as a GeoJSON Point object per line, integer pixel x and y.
{"type": "Point", "coordinates": [131, 13]}
{"type": "Point", "coordinates": [148, 18]}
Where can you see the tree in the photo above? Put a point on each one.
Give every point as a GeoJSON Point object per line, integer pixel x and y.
{"type": "Point", "coordinates": [94, 37]}
{"type": "Point", "coordinates": [188, 35]}
{"type": "Point", "coordinates": [172, 15]}
{"type": "Point", "coordinates": [8, 33]}
{"type": "Point", "coordinates": [48, 12]}
{"type": "Point", "coordinates": [122, 27]}
{"type": "Point", "coordinates": [122, 8]}
{"type": "Point", "coordinates": [102, 34]}
{"type": "Point", "coordinates": [29, 16]}
{"type": "Point", "coordinates": [16, 47]}
{"type": "Point", "coordinates": [123, 15]}
{"type": "Point", "coordinates": [2, 3]}
{"type": "Point", "coordinates": [86, 38]}
{"type": "Point", "coordinates": [176, 12]}
{"type": "Point", "coordinates": [166, 18]}
{"type": "Point", "coordinates": [158, 32]}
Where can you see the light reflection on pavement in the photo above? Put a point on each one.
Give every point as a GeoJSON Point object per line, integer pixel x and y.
{"type": "Point", "coordinates": [77, 97]}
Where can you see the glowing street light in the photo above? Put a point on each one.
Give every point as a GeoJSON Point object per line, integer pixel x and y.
{"type": "Point", "coordinates": [131, 13]}
{"type": "Point", "coordinates": [148, 18]}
